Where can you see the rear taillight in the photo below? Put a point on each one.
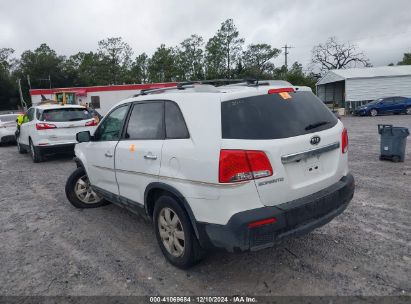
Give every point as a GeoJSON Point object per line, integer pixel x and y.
{"type": "Point", "coordinates": [44, 126]}
{"type": "Point", "coordinates": [243, 165]}
{"type": "Point", "coordinates": [344, 141]}
{"type": "Point", "coordinates": [91, 123]}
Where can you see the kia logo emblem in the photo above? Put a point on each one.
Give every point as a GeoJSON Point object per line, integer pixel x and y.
{"type": "Point", "coordinates": [315, 140]}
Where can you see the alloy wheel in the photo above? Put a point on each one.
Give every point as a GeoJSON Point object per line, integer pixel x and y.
{"type": "Point", "coordinates": [84, 192]}
{"type": "Point", "coordinates": [171, 232]}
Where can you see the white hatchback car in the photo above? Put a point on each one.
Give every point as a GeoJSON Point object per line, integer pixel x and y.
{"type": "Point", "coordinates": [52, 128]}
{"type": "Point", "coordinates": [8, 127]}
{"type": "Point", "coordinates": [235, 167]}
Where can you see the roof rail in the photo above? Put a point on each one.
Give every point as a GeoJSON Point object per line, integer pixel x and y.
{"type": "Point", "coordinates": [216, 82]}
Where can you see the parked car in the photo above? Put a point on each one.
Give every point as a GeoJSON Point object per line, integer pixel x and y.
{"type": "Point", "coordinates": [52, 128]}
{"type": "Point", "coordinates": [8, 127]}
{"type": "Point", "coordinates": [235, 168]}
{"type": "Point", "coordinates": [387, 105]}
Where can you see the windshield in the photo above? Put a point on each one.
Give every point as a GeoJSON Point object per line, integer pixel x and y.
{"type": "Point", "coordinates": [275, 116]}
{"type": "Point", "coordinates": [66, 114]}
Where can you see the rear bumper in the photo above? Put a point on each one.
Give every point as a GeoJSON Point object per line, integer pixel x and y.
{"type": "Point", "coordinates": [60, 148]}
{"type": "Point", "coordinates": [292, 218]}
{"type": "Point", "coordinates": [8, 139]}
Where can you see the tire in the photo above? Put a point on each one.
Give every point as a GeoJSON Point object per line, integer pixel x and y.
{"type": "Point", "coordinates": [373, 112]}
{"type": "Point", "coordinates": [20, 149]}
{"type": "Point", "coordinates": [395, 159]}
{"type": "Point", "coordinates": [35, 153]}
{"type": "Point", "coordinates": [408, 111]}
{"type": "Point", "coordinates": [182, 233]}
{"type": "Point", "coordinates": [79, 201]}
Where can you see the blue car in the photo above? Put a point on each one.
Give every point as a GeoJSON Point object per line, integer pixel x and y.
{"type": "Point", "coordinates": [387, 105]}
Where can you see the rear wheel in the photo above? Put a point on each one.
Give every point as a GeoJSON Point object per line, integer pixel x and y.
{"type": "Point", "coordinates": [408, 111]}
{"type": "Point", "coordinates": [35, 153]}
{"type": "Point", "coordinates": [79, 191]}
{"type": "Point", "coordinates": [20, 149]}
{"type": "Point", "coordinates": [175, 234]}
{"type": "Point", "coordinates": [373, 112]}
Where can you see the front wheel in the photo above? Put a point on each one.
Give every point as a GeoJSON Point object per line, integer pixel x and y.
{"type": "Point", "coordinates": [373, 112]}
{"type": "Point", "coordinates": [175, 234]}
{"type": "Point", "coordinates": [408, 111]}
{"type": "Point", "coordinates": [79, 191]}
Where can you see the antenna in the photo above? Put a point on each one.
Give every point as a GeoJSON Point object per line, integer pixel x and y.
{"type": "Point", "coordinates": [286, 48]}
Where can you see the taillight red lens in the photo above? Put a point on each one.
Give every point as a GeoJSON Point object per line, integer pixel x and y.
{"type": "Point", "coordinates": [44, 126]}
{"type": "Point", "coordinates": [91, 123]}
{"type": "Point", "coordinates": [344, 141]}
{"type": "Point", "coordinates": [281, 90]}
{"type": "Point", "coordinates": [243, 165]}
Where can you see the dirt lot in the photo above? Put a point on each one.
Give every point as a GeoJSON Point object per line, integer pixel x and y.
{"type": "Point", "coordinates": [50, 248]}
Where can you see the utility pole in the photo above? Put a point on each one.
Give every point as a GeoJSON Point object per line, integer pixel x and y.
{"type": "Point", "coordinates": [286, 48]}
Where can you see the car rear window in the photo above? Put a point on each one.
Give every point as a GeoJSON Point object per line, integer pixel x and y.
{"type": "Point", "coordinates": [66, 114]}
{"type": "Point", "coordinates": [274, 116]}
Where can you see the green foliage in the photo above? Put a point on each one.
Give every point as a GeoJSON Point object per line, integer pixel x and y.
{"type": "Point", "coordinates": [406, 59]}
{"type": "Point", "coordinates": [223, 51]}
{"type": "Point", "coordinates": [256, 60]}
{"type": "Point", "coordinates": [161, 66]}
{"type": "Point", "coordinates": [115, 56]}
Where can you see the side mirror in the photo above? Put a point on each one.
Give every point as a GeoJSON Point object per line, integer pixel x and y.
{"type": "Point", "coordinates": [83, 136]}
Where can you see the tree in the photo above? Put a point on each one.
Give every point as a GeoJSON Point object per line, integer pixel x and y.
{"type": "Point", "coordinates": [8, 88]}
{"type": "Point", "coordinates": [116, 57]}
{"type": "Point", "coordinates": [161, 66]}
{"type": "Point", "coordinates": [44, 67]}
{"type": "Point", "coordinates": [336, 55]}
{"type": "Point", "coordinates": [256, 60]}
{"type": "Point", "coordinates": [296, 76]}
{"type": "Point", "coordinates": [223, 50]}
{"type": "Point", "coordinates": [406, 59]}
{"type": "Point", "coordinates": [139, 69]}
{"type": "Point", "coordinates": [190, 58]}
{"type": "Point", "coordinates": [85, 69]}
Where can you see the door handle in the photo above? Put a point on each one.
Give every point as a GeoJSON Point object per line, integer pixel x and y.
{"type": "Point", "coordinates": [150, 156]}
{"type": "Point", "coordinates": [108, 154]}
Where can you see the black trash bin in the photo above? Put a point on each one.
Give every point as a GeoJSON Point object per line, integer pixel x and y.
{"type": "Point", "coordinates": [393, 142]}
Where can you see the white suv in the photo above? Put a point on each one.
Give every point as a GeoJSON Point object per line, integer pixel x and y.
{"type": "Point", "coordinates": [52, 128]}
{"type": "Point", "coordinates": [235, 167]}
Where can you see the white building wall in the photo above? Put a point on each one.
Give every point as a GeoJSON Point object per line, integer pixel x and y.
{"type": "Point", "coordinates": [359, 89]}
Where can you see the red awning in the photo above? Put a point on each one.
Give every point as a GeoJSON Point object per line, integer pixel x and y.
{"type": "Point", "coordinates": [81, 92]}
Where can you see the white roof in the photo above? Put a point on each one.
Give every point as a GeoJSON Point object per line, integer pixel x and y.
{"type": "Point", "coordinates": [384, 71]}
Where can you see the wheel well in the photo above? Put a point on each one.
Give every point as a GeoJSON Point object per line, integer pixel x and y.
{"type": "Point", "coordinates": [156, 191]}
{"type": "Point", "coordinates": [152, 197]}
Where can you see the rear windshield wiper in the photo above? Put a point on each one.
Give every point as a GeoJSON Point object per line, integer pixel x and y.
{"type": "Point", "coordinates": [316, 125]}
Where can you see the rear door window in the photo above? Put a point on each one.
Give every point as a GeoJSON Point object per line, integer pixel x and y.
{"type": "Point", "coordinates": [66, 114]}
{"type": "Point", "coordinates": [175, 125]}
{"type": "Point", "coordinates": [272, 116]}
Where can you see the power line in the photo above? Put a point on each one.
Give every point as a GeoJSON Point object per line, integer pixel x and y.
{"type": "Point", "coordinates": [286, 48]}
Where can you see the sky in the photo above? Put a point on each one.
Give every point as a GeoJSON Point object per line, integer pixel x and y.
{"type": "Point", "coordinates": [380, 28]}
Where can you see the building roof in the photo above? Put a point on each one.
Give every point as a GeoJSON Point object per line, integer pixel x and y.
{"type": "Point", "coordinates": [384, 71]}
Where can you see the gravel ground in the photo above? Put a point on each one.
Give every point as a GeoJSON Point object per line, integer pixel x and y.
{"type": "Point", "coordinates": [50, 248]}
